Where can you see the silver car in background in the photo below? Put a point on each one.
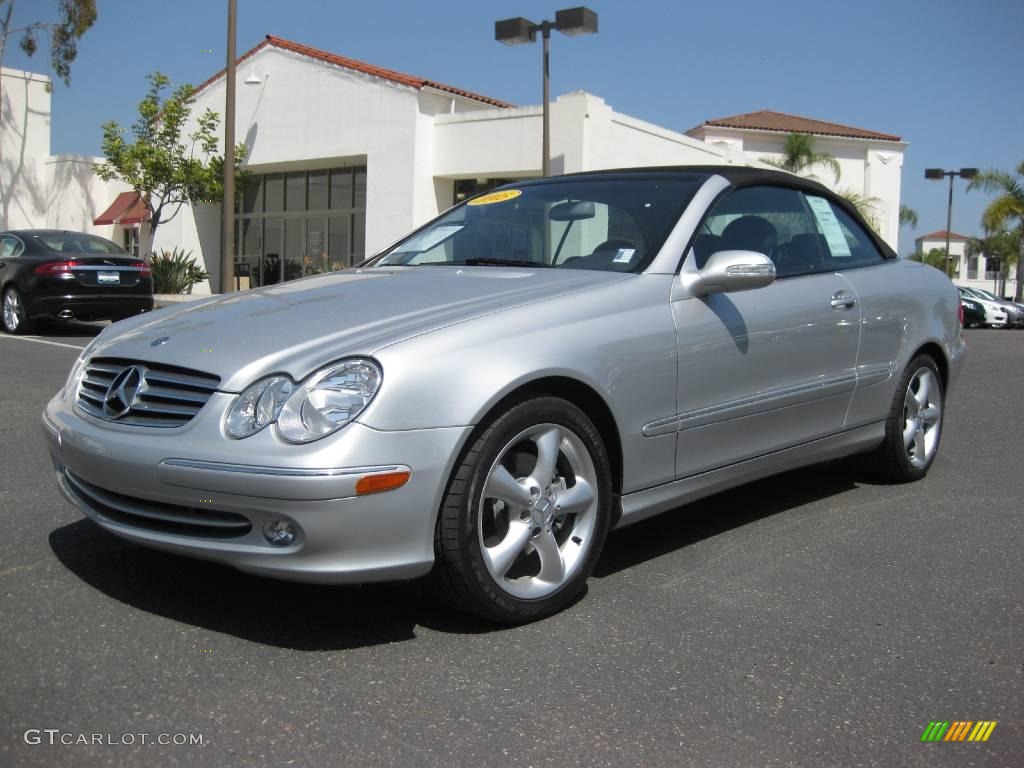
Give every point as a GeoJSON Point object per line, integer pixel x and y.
{"type": "Point", "coordinates": [484, 401]}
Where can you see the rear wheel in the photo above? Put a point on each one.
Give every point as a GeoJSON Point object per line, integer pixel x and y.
{"type": "Point", "coordinates": [15, 316]}
{"type": "Point", "coordinates": [914, 425]}
{"type": "Point", "coordinates": [525, 515]}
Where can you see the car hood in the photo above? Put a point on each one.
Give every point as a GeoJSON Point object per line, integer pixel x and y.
{"type": "Point", "coordinates": [298, 326]}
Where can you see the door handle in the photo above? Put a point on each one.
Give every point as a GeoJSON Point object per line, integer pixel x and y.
{"type": "Point", "coordinates": [843, 300]}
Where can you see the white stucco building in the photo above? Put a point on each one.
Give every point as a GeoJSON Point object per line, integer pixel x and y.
{"type": "Point", "coordinates": [347, 156]}
{"type": "Point", "coordinates": [870, 162]}
{"type": "Point", "coordinates": [972, 272]}
{"type": "Point", "coordinates": [38, 189]}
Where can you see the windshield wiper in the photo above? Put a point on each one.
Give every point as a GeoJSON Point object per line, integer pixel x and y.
{"type": "Point", "coordinates": [501, 263]}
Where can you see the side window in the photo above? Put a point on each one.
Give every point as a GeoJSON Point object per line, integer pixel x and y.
{"type": "Point", "coordinates": [848, 245]}
{"type": "Point", "coordinates": [10, 246]}
{"type": "Point", "coordinates": [774, 221]}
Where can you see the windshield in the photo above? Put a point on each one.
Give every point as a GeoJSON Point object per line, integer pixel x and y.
{"type": "Point", "coordinates": [75, 242]}
{"type": "Point", "coordinates": [610, 224]}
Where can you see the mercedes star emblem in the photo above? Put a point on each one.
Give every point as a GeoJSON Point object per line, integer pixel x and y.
{"type": "Point", "coordinates": [123, 391]}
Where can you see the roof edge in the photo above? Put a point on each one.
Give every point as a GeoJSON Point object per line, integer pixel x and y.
{"type": "Point", "coordinates": [358, 66]}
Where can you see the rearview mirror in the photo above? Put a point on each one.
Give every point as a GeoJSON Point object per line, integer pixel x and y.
{"type": "Point", "coordinates": [728, 271]}
{"type": "Point", "coordinates": [577, 210]}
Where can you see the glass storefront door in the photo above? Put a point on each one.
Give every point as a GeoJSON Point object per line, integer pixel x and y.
{"type": "Point", "coordinates": [273, 265]}
{"type": "Point", "coordinates": [316, 261]}
{"type": "Point", "coordinates": [293, 250]}
{"type": "Point", "coordinates": [300, 223]}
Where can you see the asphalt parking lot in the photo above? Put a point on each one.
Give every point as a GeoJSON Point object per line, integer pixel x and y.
{"type": "Point", "coordinates": [814, 619]}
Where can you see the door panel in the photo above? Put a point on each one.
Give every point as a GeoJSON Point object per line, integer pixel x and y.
{"type": "Point", "coordinates": [762, 370]}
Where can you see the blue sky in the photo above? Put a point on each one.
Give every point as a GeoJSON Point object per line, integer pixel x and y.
{"type": "Point", "coordinates": [946, 76]}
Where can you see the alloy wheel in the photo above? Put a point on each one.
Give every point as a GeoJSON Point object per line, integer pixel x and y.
{"type": "Point", "coordinates": [12, 311]}
{"type": "Point", "coordinates": [538, 511]}
{"type": "Point", "coordinates": [922, 417]}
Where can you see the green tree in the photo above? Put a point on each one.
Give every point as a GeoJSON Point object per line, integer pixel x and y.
{"type": "Point", "coordinates": [936, 257]}
{"type": "Point", "coordinates": [908, 217]}
{"type": "Point", "coordinates": [167, 170]}
{"type": "Point", "coordinates": [1001, 246]}
{"type": "Point", "coordinates": [1006, 211]}
{"type": "Point", "coordinates": [74, 19]}
{"type": "Point", "coordinates": [799, 157]}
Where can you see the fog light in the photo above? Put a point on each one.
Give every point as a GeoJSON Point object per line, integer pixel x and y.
{"type": "Point", "coordinates": [279, 533]}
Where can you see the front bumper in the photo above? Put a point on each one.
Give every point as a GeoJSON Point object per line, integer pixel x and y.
{"type": "Point", "coordinates": [194, 491]}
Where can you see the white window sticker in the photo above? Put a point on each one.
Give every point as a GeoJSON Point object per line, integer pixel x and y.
{"type": "Point", "coordinates": [624, 255]}
{"type": "Point", "coordinates": [829, 226]}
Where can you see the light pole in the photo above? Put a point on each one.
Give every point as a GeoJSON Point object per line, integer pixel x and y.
{"type": "Point", "coordinates": [938, 173]}
{"type": "Point", "coordinates": [570, 21]}
{"type": "Point", "coordinates": [227, 255]}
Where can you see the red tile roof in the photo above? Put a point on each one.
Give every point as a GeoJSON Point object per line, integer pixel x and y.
{"type": "Point", "coordinates": [940, 234]}
{"type": "Point", "coordinates": [767, 120]}
{"type": "Point", "coordinates": [359, 66]}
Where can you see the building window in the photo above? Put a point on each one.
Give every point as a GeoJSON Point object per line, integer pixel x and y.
{"type": "Point", "coordinates": [972, 268]}
{"type": "Point", "coordinates": [300, 223]}
{"type": "Point", "coordinates": [131, 241]}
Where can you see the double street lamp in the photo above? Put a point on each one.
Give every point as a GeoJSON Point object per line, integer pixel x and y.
{"type": "Point", "coordinates": [570, 21]}
{"type": "Point", "coordinates": [939, 173]}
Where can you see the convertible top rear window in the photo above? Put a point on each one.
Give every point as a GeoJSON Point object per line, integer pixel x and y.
{"type": "Point", "coordinates": [602, 223]}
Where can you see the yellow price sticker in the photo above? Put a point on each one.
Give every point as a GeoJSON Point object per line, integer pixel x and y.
{"type": "Point", "coordinates": [496, 197]}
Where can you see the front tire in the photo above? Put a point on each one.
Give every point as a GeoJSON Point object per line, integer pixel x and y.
{"type": "Point", "coordinates": [914, 425]}
{"type": "Point", "coordinates": [15, 315]}
{"type": "Point", "coordinates": [525, 514]}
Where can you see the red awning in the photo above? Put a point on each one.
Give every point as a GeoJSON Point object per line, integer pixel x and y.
{"type": "Point", "coordinates": [127, 209]}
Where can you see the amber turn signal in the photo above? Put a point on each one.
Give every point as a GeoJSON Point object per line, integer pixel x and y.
{"type": "Point", "coordinates": [386, 481]}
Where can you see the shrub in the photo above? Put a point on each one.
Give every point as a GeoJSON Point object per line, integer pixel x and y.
{"type": "Point", "coordinates": [175, 271]}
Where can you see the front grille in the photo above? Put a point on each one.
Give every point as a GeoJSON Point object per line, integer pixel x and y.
{"type": "Point", "coordinates": [154, 395]}
{"type": "Point", "coordinates": [156, 516]}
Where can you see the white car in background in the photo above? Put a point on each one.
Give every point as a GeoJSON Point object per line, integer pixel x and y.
{"type": "Point", "coordinates": [996, 315]}
{"type": "Point", "coordinates": [1014, 311]}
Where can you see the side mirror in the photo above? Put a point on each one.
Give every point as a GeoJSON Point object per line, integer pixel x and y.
{"type": "Point", "coordinates": [728, 271]}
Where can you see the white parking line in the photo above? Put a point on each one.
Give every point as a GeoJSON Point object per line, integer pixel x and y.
{"type": "Point", "coordinates": [38, 340]}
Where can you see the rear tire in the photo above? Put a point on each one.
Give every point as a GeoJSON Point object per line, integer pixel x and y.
{"type": "Point", "coordinates": [525, 514]}
{"type": "Point", "coordinates": [913, 427]}
{"type": "Point", "coordinates": [15, 316]}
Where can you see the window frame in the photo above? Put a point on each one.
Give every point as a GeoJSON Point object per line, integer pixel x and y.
{"type": "Point", "coordinates": [803, 189]}
{"type": "Point", "coordinates": [865, 231]}
{"type": "Point", "coordinates": [19, 246]}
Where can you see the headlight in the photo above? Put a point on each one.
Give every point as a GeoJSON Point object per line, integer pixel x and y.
{"type": "Point", "coordinates": [328, 400]}
{"type": "Point", "coordinates": [324, 403]}
{"type": "Point", "coordinates": [77, 368]}
{"type": "Point", "coordinates": [258, 405]}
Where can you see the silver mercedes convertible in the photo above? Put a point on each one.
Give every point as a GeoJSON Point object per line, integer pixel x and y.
{"type": "Point", "coordinates": [483, 402]}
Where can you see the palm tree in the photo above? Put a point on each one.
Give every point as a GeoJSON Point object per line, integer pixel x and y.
{"type": "Point", "coordinates": [908, 217]}
{"type": "Point", "coordinates": [999, 246]}
{"type": "Point", "coordinates": [1006, 210]}
{"type": "Point", "coordinates": [866, 206]}
{"type": "Point", "coordinates": [798, 156]}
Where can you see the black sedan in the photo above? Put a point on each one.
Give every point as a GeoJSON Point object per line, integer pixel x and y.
{"type": "Point", "coordinates": [47, 274]}
{"type": "Point", "coordinates": [973, 313]}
